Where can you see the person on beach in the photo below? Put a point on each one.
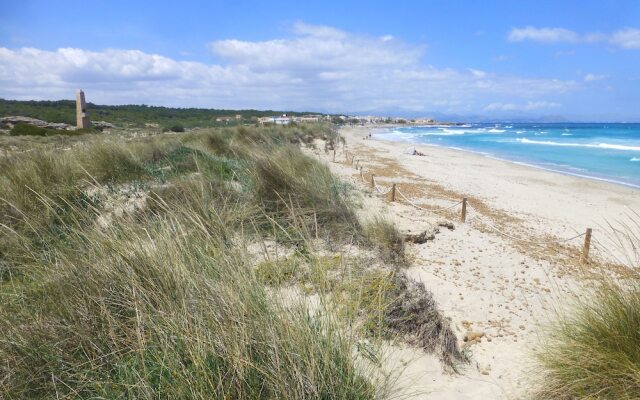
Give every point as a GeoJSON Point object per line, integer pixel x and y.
{"type": "Point", "coordinates": [412, 151]}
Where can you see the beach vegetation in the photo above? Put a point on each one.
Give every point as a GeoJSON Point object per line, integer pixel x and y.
{"type": "Point", "coordinates": [384, 236]}
{"type": "Point", "coordinates": [32, 130]}
{"type": "Point", "coordinates": [590, 349]}
{"type": "Point", "coordinates": [129, 270]}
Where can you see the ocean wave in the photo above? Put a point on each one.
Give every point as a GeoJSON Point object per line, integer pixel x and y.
{"type": "Point", "coordinates": [566, 134]}
{"type": "Point", "coordinates": [590, 145]}
{"type": "Point", "coordinates": [449, 131]}
{"type": "Point", "coordinates": [635, 159]}
{"type": "Point", "coordinates": [494, 130]}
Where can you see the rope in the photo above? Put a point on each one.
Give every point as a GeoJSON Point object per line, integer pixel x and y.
{"type": "Point", "coordinates": [422, 208]}
{"type": "Point", "coordinates": [494, 228]}
{"type": "Point", "coordinates": [380, 189]}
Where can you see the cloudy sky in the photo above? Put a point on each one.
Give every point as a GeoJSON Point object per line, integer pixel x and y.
{"type": "Point", "coordinates": [579, 60]}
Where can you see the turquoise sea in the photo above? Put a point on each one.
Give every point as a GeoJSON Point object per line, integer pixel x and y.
{"type": "Point", "coordinates": [603, 151]}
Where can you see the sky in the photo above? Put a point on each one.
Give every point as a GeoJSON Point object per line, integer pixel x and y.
{"type": "Point", "coordinates": [569, 60]}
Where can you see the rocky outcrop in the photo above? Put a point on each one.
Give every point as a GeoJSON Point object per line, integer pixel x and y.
{"type": "Point", "coordinates": [16, 119]}
{"type": "Point", "coordinates": [102, 125]}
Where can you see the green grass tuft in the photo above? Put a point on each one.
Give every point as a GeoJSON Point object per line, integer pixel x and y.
{"type": "Point", "coordinates": [592, 351]}
{"type": "Point", "coordinates": [384, 236]}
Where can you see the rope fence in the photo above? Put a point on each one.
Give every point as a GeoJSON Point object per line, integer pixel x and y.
{"type": "Point", "coordinates": [394, 190]}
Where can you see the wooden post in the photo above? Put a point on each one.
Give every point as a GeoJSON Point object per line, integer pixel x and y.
{"type": "Point", "coordinates": [584, 259]}
{"type": "Point", "coordinates": [334, 155]}
{"type": "Point", "coordinates": [463, 216]}
{"type": "Point", "coordinates": [361, 172]}
{"type": "Point", "coordinates": [357, 161]}
{"type": "Point", "coordinates": [392, 193]}
{"type": "Point", "coordinates": [373, 182]}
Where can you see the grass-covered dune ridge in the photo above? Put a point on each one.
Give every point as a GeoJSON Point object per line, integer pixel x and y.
{"type": "Point", "coordinates": [133, 269]}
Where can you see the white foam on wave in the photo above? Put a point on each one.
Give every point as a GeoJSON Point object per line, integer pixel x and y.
{"type": "Point", "coordinates": [635, 159]}
{"type": "Point", "coordinates": [590, 145]}
{"type": "Point", "coordinates": [566, 134]}
{"type": "Point", "coordinates": [494, 130]}
{"type": "Point", "coordinates": [448, 131]}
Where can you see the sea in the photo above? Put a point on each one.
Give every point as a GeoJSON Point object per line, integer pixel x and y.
{"type": "Point", "coordinates": [602, 151]}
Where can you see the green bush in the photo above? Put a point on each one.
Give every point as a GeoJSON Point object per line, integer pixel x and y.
{"type": "Point", "coordinates": [32, 130]}
{"type": "Point", "coordinates": [28, 130]}
{"type": "Point", "coordinates": [176, 128]}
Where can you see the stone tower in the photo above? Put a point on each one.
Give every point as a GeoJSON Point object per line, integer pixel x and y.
{"type": "Point", "coordinates": [82, 118]}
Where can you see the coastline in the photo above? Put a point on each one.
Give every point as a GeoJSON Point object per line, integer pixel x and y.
{"type": "Point", "coordinates": [547, 166]}
{"type": "Point", "coordinates": [530, 189]}
{"type": "Point", "coordinates": [482, 280]}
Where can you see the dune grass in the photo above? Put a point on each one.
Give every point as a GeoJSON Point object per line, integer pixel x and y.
{"type": "Point", "coordinates": [166, 300]}
{"type": "Point", "coordinates": [590, 350]}
{"type": "Point", "coordinates": [384, 236]}
{"type": "Point", "coordinates": [163, 302]}
{"type": "Point", "coordinates": [165, 308]}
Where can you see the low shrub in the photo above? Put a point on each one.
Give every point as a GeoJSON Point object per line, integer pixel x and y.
{"type": "Point", "coordinates": [27, 130]}
{"type": "Point", "coordinates": [32, 130]}
{"type": "Point", "coordinates": [177, 128]}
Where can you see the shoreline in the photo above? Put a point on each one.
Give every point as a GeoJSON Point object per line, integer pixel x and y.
{"type": "Point", "coordinates": [612, 180]}
{"type": "Point", "coordinates": [513, 186]}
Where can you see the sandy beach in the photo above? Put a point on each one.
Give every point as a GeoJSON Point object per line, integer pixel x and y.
{"type": "Point", "coordinates": [503, 272]}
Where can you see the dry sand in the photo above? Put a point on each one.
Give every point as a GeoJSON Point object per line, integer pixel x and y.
{"type": "Point", "coordinates": [483, 280]}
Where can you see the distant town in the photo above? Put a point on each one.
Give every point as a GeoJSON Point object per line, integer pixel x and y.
{"type": "Point", "coordinates": [285, 119]}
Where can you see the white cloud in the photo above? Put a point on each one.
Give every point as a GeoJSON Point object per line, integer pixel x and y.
{"type": "Point", "coordinates": [529, 106]}
{"type": "Point", "coordinates": [594, 77]}
{"type": "Point", "coordinates": [477, 73]}
{"type": "Point", "coordinates": [316, 68]}
{"type": "Point", "coordinates": [568, 53]}
{"type": "Point", "coordinates": [628, 38]}
{"type": "Point", "coordinates": [548, 35]}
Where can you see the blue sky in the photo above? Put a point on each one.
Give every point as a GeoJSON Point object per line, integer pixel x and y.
{"type": "Point", "coordinates": [579, 60]}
